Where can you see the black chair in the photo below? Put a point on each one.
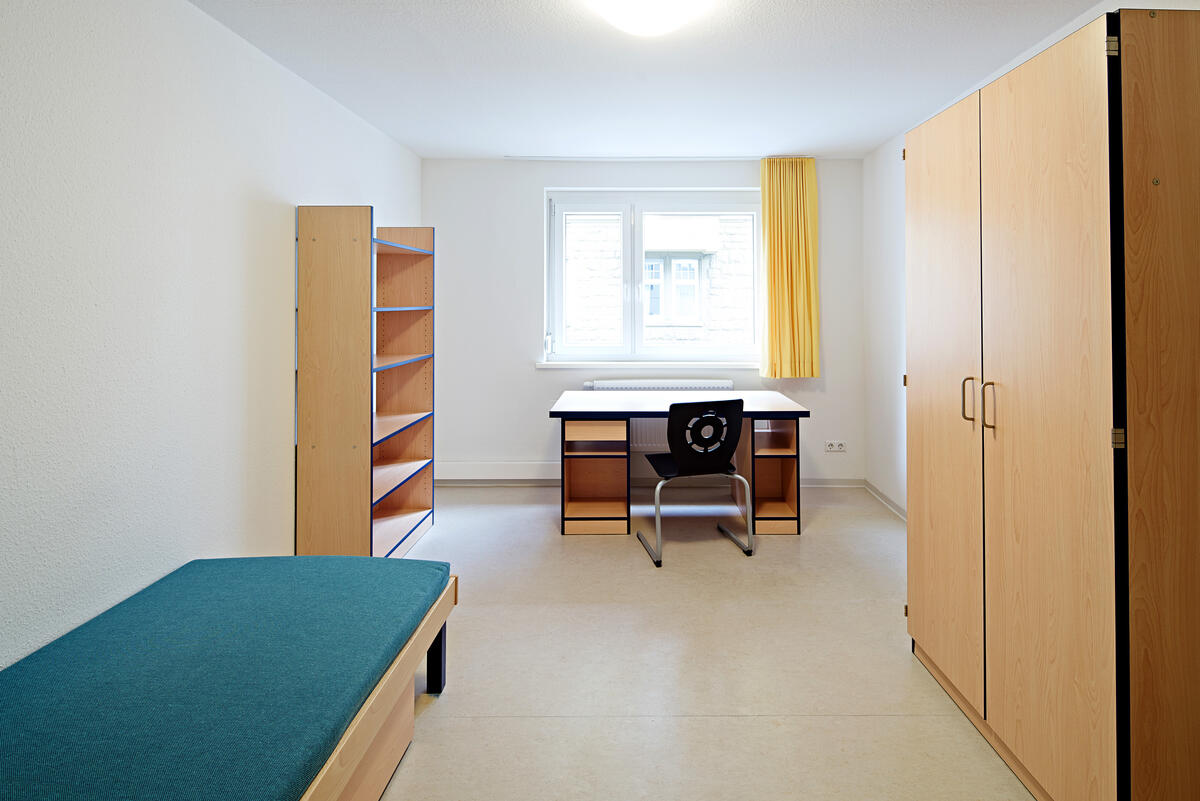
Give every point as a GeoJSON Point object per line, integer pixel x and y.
{"type": "Point", "coordinates": [703, 437]}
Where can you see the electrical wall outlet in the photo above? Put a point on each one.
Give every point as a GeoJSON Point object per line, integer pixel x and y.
{"type": "Point", "coordinates": [835, 446]}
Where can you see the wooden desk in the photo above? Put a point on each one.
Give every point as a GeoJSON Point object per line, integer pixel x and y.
{"type": "Point", "coordinates": [596, 456]}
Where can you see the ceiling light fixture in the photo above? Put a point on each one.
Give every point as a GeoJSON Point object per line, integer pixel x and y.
{"type": "Point", "coordinates": [650, 17]}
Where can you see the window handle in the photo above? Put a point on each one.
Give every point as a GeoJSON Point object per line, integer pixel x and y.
{"type": "Point", "coordinates": [963, 398]}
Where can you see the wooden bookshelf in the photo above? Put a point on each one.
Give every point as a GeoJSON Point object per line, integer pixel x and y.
{"type": "Point", "coordinates": [364, 447]}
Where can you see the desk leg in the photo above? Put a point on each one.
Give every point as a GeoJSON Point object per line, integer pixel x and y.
{"type": "Point", "coordinates": [562, 477]}
{"type": "Point", "coordinates": [628, 476]}
{"type": "Point", "coordinates": [799, 506]}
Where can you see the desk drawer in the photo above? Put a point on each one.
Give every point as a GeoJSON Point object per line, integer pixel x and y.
{"type": "Point", "coordinates": [594, 430]}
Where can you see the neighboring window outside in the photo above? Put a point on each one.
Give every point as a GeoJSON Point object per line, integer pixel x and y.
{"type": "Point", "coordinates": [654, 276]}
{"type": "Point", "coordinates": [652, 270]}
{"type": "Point", "coordinates": [678, 304]}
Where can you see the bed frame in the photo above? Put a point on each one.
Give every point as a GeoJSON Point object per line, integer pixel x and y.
{"type": "Point", "coordinates": [369, 752]}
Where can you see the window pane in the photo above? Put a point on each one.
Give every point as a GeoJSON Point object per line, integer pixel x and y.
{"type": "Point", "coordinates": [685, 302]}
{"type": "Point", "coordinates": [652, 270]}
{"type": "Point", "coordinates": [685, 269]}
{"type": "Point", "coordinates": [709, 300]}
{"type": "Point", "coordinates": [654, 300]}
{"type": "Point", "coordinates": [593, 274]}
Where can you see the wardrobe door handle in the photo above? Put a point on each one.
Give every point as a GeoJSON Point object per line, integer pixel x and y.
{"type": "Point", "coordinates": [963, 398]}
{"type": "Point", "coordinates": [983, 402]}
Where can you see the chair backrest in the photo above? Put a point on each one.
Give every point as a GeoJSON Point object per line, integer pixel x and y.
{"type": "Point", "coordinates": [703, 435]}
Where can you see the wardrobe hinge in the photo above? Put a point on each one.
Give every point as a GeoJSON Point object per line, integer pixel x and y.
{"type": "Point", "coordinates": [906, 610]}
{"type": "Point", "coordinates": [1118, 438]}
{"type": "Point", "coordinates": [906, 379]}
{"type": "Point", "coordinates": [1112, 46]}
{"type": "Point", "coordinates": [903, 154]}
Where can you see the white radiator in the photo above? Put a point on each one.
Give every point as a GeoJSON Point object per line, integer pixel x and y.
{"type": "Point", "coordinates": [648, 434]}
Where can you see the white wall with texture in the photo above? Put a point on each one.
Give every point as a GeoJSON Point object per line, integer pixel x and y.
{"type": "Point", "coordinates": [150, 165]}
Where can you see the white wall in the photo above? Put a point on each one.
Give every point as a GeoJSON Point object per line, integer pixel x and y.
{"type": "Point", "coordinates": [150, 163]}
{"type": "Point", "coordinates": [883, 301]}
{"type": "Point", "coordinates": [492, 403]}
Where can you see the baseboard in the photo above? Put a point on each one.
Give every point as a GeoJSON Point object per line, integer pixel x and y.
{"type": "Point", "coordinates": [497, 482]}
{"type": "Point", "coordinates": [547, 474]}
{"type": "Point", "coordinates": [506, 472]}
{"type": "Point", "coordinates": [896, 508]}
{"type": "Point", "coordinates": [993, 739]}
{"type": "Point", "coordinates": [852, 483]}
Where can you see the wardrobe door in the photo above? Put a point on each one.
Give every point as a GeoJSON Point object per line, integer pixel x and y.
{"type": "Point", "coordinates": [945, 482]}
{"type": "Point", "coordinates": [1160, 89]}
{"type": "Point", "coordinates": [1048, 463]}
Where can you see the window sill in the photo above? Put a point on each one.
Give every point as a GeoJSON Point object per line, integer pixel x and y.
{"type": "Point", "coordinates": [645, 365]}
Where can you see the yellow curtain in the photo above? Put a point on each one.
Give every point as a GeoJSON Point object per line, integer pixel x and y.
{"type": "Point", "coordinates": [789, 220]}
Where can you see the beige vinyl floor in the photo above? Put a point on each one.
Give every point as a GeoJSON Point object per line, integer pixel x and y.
{"type": "Point", "coordinates": [577, 670]}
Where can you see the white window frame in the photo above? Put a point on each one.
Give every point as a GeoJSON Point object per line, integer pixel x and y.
{"type": "Point", "coordinates": [633, 204]}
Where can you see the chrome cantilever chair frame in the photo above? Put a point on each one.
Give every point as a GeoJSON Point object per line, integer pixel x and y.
{"type": "Point", "coordinates": [656, 552]}
{"type": "Point", "coordinates": [703, 437]}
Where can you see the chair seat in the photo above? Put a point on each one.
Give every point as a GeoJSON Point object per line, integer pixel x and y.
{"type": "Point", "coordinates": [664, 464]}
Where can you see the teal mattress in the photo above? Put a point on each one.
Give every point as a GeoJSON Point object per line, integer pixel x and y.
{"type": "Point", "coordinates": [227, 679]}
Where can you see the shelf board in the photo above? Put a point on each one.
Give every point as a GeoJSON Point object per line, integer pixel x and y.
{"type": "Point", "coordinates": [389, 529]}
{"type": "Point", "coordinates": [387, 425]}
{"type": "Point", "coordinates": [596, 507]}
{"type": "Point", "coordinates": [386, 362]}
{"type": "Point", "coordinates": [773, 507]}
{"type": "Point", "coordinates": [595, 448]}
{"type": "Point", "coordinates": [389, 476]}
{"type": "Point", "coordinates": [775, 452]}
{"type": "Point", "coordinates": [400, 308]}
{"type": "Point", "coordinates": [384, 246]}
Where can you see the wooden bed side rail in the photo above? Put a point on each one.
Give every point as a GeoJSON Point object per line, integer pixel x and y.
{"type": "Point", "coordinates": [365, 758]}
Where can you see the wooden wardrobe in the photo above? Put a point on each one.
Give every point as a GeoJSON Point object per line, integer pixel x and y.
{"type": "Point", "coordinates": [1053, 258]}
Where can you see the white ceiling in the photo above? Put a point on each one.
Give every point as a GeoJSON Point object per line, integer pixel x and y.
{"type": "Point", "coordinates": [548, 78]}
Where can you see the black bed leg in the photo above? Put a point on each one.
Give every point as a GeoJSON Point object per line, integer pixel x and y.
{"type": "Point", "coordinates": [435, 664]}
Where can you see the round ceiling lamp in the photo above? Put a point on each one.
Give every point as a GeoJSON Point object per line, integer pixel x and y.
{"type": "Point", "coordinates": [650, 17]}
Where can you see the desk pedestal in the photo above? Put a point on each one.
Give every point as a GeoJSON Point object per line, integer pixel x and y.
{"type": "Point", "coordinates": [595, 476]}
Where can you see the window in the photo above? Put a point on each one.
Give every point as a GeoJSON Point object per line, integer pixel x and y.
{"type": "Point", "coordinates": [642, 275]}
